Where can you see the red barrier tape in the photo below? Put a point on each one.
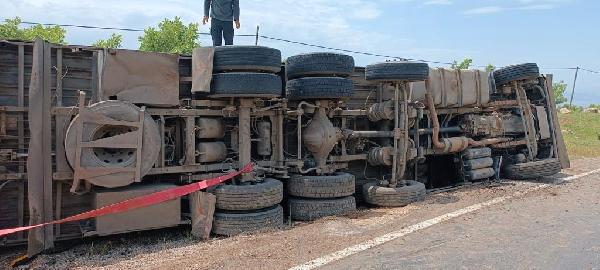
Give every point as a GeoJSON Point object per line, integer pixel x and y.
{"type": "Point", "coordinates": [139, 202]}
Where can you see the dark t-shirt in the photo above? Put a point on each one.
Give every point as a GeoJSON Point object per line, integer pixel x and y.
{"type": "Point", "coordinates": [222, 10]}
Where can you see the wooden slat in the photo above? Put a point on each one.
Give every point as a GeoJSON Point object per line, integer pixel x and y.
{"type": "Point", "coordinates": [21, 133]}
{"type": "Point", "coordinates": [47, 147]}
{"type": "Point", "coordinates": [563, 155]}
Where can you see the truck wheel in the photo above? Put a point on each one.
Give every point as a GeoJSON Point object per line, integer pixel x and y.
{"type": "Point", "coordinates": [241, 84]}
{"type": "Point", "coordinates": [516, 73]}
{"type": "Point", "coordinates": [321, 186]}
{"type": "Point", "coordinates": [397, 71]}
{"type": "Point", "coordinates": [113, 157]}
{"type": "Point", "coordinates": [532, 170]}
{"type": "Point", "coordinates": [319, 88]}
{"type": "Point", "coordinates": [319, 64]}
{"type": "Point", "coordinates": [246, 58]}
{"type": "Point", "coordinates": [251, 196]}
{"type": "Point", "coordinates": [413, 191]}
{"type": "Point", "coordinates": [312, 209]}
{"type": "Point", "coordinates": [234, 223]}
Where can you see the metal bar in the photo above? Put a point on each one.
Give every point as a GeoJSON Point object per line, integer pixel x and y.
{"type": "Point", "coordinates": [95, 80]}
{"type": "Point", "coordinates": [140, 133]}
{"type": "Point", "coordinates": [574, 83]}
{"type": "Point", "coordinates": [256, 41]}
{"type": "Point", "coordinates": [162, 142]}
{"type": "Point", "coordinates": [193, 168]}
{"type": "Point", "coordinates": [393, 180]}
{"type": "Point", "coordinates": [299, 135]}
{"type": "Point", "coordinates": [190, 140]}
{"type": "Point", "coordinates": [78, 142]}
{"type": "Point", "coordinates": [244, 136]}
{"type": "Point", "coordinates": [108, 145]}
{"type": "Point", "coordinates": [58, 206]}
{"type": "Point", "coordinates": [372, 134]}
{"type": "Point", "coordinates": [59, 75]}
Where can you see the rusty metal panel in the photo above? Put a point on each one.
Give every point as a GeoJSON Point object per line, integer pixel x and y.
{"type": "Point", "coordinates": [202, 68]}
{"type": "Point", "coordinates": [561, 148]}
{"type": "Point", "coordinates": [543, 124]}
{"type": "Point", "coordinates": [39, 161]}
{"type": "Point", "coordinates": [455, 88]}
{"type": "Point", "coordinates": [139, 77]}
{"type": "Point", "coordinates": [137, 219]}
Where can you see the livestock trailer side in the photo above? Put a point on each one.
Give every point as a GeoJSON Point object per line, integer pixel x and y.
{"type": "Point", "coordinates": [83, 127]}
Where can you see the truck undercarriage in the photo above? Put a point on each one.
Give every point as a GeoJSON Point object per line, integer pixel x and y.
{"type": "Point", "coordinates": [83, 127]}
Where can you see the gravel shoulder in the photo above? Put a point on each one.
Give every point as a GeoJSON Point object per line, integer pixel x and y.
{"type": "Point", "coordinates": [301, 242]}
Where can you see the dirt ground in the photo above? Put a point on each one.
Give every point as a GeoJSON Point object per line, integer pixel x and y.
{"type": "Point", "coordinates": [298, 243]}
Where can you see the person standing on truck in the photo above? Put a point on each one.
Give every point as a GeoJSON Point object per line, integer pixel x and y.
{"type": "Point", "coordinates": [223, 14]}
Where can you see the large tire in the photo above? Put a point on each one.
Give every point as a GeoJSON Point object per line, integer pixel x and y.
{"type": "Point", "coordinates": [234, 223]}
{"type": "Point", "coordinates": [238, 84]}
{"type": "Point", "coordinates": [312, 209]}
{"type": "Point", "coordinates": [114, 158]}
{"type": "Point", "coordinates": [319, 88]}
{"type": "Point", "coordinates": [246, 58]}
{"type": "Point", "coordinates": [413, 191]}
{"type": "Point", "coordinates": [249, 197]}
{"type": "Point", "coordinates": [319, 64]}
{"type": "Point", "coordinates": [321, 186]}
{"type": "Point", "coordinates": [397, 71]}
{"type": "Point", "coordinates": [532, 170]}
{"type": "Point", "coordinates": [516, 73]}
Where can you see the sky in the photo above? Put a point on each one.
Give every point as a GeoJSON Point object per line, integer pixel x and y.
{"type": "Point", "coordinates": [552, 33]}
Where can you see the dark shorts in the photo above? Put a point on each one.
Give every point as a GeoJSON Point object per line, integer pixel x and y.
{"type": "Point", "coordinates": [220, 30]}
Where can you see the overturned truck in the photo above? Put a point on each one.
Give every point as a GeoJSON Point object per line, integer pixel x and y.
{"type": "Point", "coordinates": [82, 127]}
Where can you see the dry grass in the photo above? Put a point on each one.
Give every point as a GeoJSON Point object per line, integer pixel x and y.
{"type": "Point", "coordinates": [581, 132]}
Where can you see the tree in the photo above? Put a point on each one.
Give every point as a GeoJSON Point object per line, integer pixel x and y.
{"type": "Point", "coordinates": [113, 42]}
{"type": "Point", "coordinates": [559, 89]}
{"type": "Point", "coordinates": [10, 30]}
{"type": "Point", "coordinates": [490, 68]}
{"type": "Point", "coordinates": [465, 64]}
{"type": "Point", "coordinates": [172, 36]}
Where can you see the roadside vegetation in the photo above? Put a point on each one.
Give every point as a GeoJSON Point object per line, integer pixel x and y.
{"type": "Point", "coordinates": [170, 36]}
{"type": "Point", "coordinates": [581, 131]}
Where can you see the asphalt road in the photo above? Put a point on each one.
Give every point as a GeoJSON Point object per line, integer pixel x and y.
{"type": "Point", "coordinates": [558, 228]}
{"type": "Point", "coordinates": [532, 225]}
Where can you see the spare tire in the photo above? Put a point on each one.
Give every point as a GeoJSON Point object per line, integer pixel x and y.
{"type": "Point", "coordinates": [246, 58]}
{"type": "Point", "coordinates": [233, 223]}
{"type": "Point", "coordinates": [319, 64]}
{"type": "Point", "coordinates": [516, 73]}
{"type": "Point", "coordinates": [321, 186]}
{"type": "Point", "coordinates": [252, 196]}
{"type": "Point", "coordinates": [312, 209]}
{"type": "Point", "coordinates": [319, 88]}
{"type": "Point", "coordinates": [533, 169]}
{"type": "Point", "coordinates": [413, 191]}
{"type": "Point", "coordinates": [397, 71]}
{"type": "Point", "coordinates": [112, 157]}
{"type": "Point", "coordinates": [245, 84]}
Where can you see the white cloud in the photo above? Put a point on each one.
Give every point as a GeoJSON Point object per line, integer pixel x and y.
{"type": "Point", "coordinates": [537, 7]}
{"type": "Point", "coordinates": [438, 3]}
{"type": "Point", "coordinates": [484, 10]}
{"type": "Point", "coordinates": [519, 5]}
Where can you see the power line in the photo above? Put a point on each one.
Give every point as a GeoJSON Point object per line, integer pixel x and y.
{"type": "Point", "coordinates": [297, 43]}
{"type": "Point", "coordinates": [112, 28]}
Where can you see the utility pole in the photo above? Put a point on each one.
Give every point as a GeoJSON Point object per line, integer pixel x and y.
{"type": "Point", "coordinates": [573, 91]}
{"type": "Point", "coordinates": [256, 42]}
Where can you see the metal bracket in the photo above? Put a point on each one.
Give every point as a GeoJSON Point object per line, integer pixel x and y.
{"type": "Point", "coordinates": [131, 140]}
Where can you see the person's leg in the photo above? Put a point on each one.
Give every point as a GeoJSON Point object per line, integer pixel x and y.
{"type": "Point", "coordinates": [216, 31]}
{"type": "Point", "coordinates": [228, 32]}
